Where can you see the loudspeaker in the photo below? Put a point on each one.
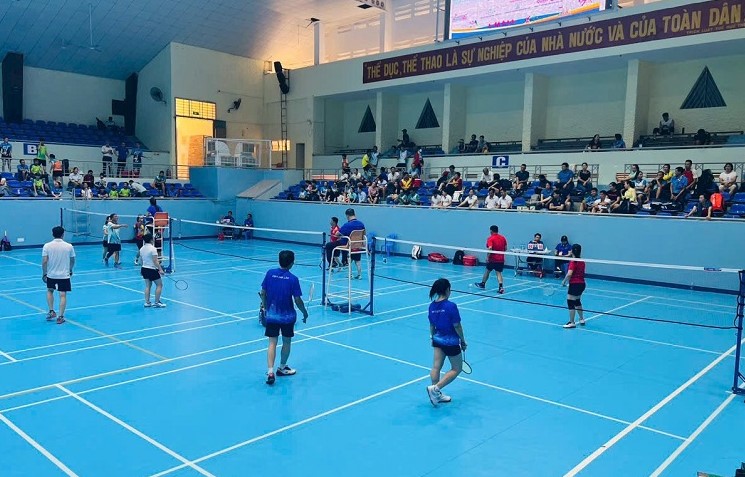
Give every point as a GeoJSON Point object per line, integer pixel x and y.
{"type": "Point", "coordinates": [220, 129]}
{"type": "Point", "coordinates": [13, 87]}
{"type": "Point", "coordinates": [284, 84]}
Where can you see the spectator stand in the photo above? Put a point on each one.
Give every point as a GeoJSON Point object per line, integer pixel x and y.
{"type": "Point", "coordinates": [718, 138]}
{"type": "Point", "coordinates": [64, 133]}
{"type": "Point", "coordinates": [650, 170]}
{"type": "Point", "coordinates": [571, 144]}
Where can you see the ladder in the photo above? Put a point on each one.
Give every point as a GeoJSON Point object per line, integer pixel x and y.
{"type": "Point", "coordinates": [283, 124]}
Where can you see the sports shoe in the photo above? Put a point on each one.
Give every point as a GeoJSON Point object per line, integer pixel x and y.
{"type": "Point", "coordinates": [117, 265]}
{"type": "Point", "coordinates": [480, 285]}
{"type": "Point", "coordinates": [158, 304]}
{"type": "Point", "coordinates": [148, 304]}
{"type": "Point", "coordinates": [106, 261]}
{"type": "Point", "coordinates": [60, 319]}
{"type": "Point", "coordinates": [581, 322]}
{"type": "Point", "coordinates": [51, 315]}
{"type": "Point", "coordinates": [444, 398]}
{"type": "Point", "coordinates": [434, 394]}
{"type": "Point", "coordinates": [570, 325]}
{"type": "Point", "coordinates": [270, 378]}
{"type": "Point", "coordinates": [137, 262]}
{"type": "Point", "coordinates": [501, 290]}
{"type": "Point", "coordinates": [357, 277]}
{"type": "Point", "coordinates": [285, 371]}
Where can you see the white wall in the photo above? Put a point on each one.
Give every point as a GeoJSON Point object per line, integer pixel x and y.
{"type": "Point", "coordinates": [354, 111]}
{"type": "Point", "coordinates": [155, 125]}
{"type": "Point", "coordinates": [670, 83]}
{"type": "Point", "coordinates": [586, 104]}
{"type": "Point", "coordinates": [410, 107]}
{"type": "Point", "coordinates": [496, 111]}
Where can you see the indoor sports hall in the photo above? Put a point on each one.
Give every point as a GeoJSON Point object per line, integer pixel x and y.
{"type": "Point", "coordinates": [445, 139]}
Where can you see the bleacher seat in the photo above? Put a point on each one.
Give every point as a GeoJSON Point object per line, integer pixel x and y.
{"type": "Point", "coordinates": [739, 198]}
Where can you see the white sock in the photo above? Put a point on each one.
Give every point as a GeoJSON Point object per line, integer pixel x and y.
{"type": "Point", "coordinates": [282, 365]}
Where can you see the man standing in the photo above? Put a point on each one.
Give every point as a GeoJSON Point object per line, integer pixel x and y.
{"type": "Point", "coordinates": [494, 261]}
{"type": "Point", "coordinates": [121, 159]}
{"type": "Point", "coordinates": [57, 263]}
{"type": "Point", "coordinates": [279, 290]}
{"type": "Point", "coordinates": [137, 159]}
{"type": "Point", "coordinates": [6, 153]}
{"type": "Point", "coordinates": [107, 153]}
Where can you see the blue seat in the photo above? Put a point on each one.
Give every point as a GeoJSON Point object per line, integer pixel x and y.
{"type": "Point", "coordinates": [739, 198]}
{"type": "Point", "coordinates": [519, 202]}
{"type": "Point", "coordinates": [737, 209]}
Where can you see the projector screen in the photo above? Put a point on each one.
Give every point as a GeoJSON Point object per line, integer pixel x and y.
{"type": "Point", "coordinates": [478, 17]}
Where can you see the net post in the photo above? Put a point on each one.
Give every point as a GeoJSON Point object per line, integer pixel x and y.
{"type": "Point", "coordinates": [61, 215]}
{"type": "Point", "coordinates": [372, 274]}
{"type": "Point", "coordinates": [739, 382]}
{"type": "Point", "coordinates": [323, 270]}
{"type": "Point", "coordinates": [171, 256]}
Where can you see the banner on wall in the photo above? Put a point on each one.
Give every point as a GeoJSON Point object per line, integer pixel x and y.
{"type": "Point", "coordinates": [687, 20]}
{"type": "Point", "coordinates": [30, 149]}
{"type": "Point", "coordinates": [500, 162]}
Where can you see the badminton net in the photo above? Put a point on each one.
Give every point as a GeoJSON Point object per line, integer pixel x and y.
{"type": "Point", "coordinates": [533, 277]}
{"type": "Point", "coordinates": [87, 226]}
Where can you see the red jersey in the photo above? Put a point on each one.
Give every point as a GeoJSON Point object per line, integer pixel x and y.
{"type": "Point", "coordinates": [578, 272]}
{"type": "Point", "coordinates": [335, 234]}
{"type": "Point", "coordinates": [497, 243]}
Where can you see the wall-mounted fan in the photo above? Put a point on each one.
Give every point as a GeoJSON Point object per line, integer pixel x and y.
{"type": "Point", "coordinates": [157, 95]}
{"type": "Point", "coordinates": [236, 105]}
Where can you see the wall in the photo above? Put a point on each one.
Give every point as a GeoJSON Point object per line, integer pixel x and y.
{"type": "Point", "coordinates": [41, 215]}
{"type": "Point", "coordinates": [602, 237]}
{"type": "Point", "coordinates": [353, 113]}
{"type": "Point", "coordinates": [410, 107]}
{"type": "Point", "coordinates": [586, 104]}
{"type": "Point", "coordinates": [155, 125]}
{"type": "Point", "coordinates": [670, 83]}
{"type": "Point", "coordinates": [496, 111]}
{"type": "Point", "coordinates": [225, 183]}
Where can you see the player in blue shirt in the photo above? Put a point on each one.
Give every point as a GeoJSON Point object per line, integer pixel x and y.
{"type": "Point", "coordinates": [279, 290]}
{"type": "Point", "coordinates": [446, 334]}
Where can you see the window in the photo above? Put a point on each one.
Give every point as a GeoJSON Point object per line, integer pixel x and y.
{"type": "Point", "coordinates": [195, 109]}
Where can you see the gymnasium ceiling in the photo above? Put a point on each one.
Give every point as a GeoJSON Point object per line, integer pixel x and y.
{"type": "Point", "coordinates": [127, 34]}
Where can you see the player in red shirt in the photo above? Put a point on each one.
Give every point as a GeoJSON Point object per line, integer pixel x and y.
{"type": "Point", "coordinates": [494, 261]}
{"type": "Point", "coordinates": [576, 278]}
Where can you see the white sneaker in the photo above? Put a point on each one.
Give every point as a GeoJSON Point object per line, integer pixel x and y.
{"type": "Point", "coordinates": [570, 325]}
{"type": "Point", "coordinates": [285, 371]}
{"type": "Point", "coordinates": [148, 304]}
{"type": "Point", "coordinates": [444, 398]}
{"type": "Point", "coordinates": [434, 394]}
{"type": "Point", "coordinates": [158, 304]}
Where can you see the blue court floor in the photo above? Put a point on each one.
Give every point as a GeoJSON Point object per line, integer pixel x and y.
{"type": "Point", "coordinates": [120, 390]}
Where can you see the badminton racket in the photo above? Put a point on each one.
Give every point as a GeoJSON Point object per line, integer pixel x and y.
{"type": "Point", "coordinates": [179, 284]}
{"type": "Point", "coordinates": [262, 313]}
{"type": "Point", "coordinates": [467, 369]}
{"type": "Point", "coordinates": [549, 289]}
{"type": "Point", "coordinates": [310, 292]}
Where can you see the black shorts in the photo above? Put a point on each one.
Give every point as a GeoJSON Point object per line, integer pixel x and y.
{"type": "Point", "coordinates": [576, 289]}
{"type": "Point", "coordinates": [57, 174]}
{"type": "Point", "coordinates": [448, 350]}
{"type": "Point", "coordinates": [496, 266]}
{"type": "Point", "coordinates": [355, 256]}
{"type": "Point", "coordinates": [115, 247]}
{"type": "Point", "coordinates": [150, 274]}
{"type": "Point", "coordinates": [273, 329]}
{"type": "Point", "coordinates": [106, 244]}
{"type": "Point", "coordinates": [59, 284]}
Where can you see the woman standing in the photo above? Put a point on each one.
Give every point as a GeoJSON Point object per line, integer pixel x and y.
{"type": "Point", "coordinates": [105, 237]}
{"type": "Point", "coordinates": [446, 334]}
{"type": "Point", "coordinates": [576, 278]}
{"type": "Point", "coordinates": [139, 235]}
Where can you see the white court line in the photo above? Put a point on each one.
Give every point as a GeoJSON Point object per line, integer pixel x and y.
{"type": "Point", "coordinates": [652, 411]}
{"type": "Point", "coordinates": [20, 260]}
{"type": "Point", "coordinates": [499, 388]}
{"type": "Point", "coordinates": [136, 432]}
{"type": "Point", "coordinates": [612, 310]}
{"type": "Point", "coordinates": [605, 333]}
{"type": "Point", "coordinates": [292, 426]}
{"type": "Point", "coordinates": [8, 357]}
{"type": "Point", "coordinates": [76, 308]}
{"type": "Point", "coordinates": [667, 298]}
{"type": "Point", "coordinates": [38, 447]}
{"type": "Point", "coordinates": [689, 440]}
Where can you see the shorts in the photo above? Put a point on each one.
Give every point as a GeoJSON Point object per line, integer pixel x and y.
{"type": "Point", "coordinates": [355, 256]}
{"type": "Point", "coordinates": [495, 266]}
{"type": "Point", "coordinates": [57, 174]}
{"type": "Point", "coordinates": [273, 329]}
{"type": "Point", "coordinates": [106, 244]}
{"type": "Point", "coordinates": [453, 350]}
{"type": "Point", "coordinates": [150, 274]}
{"type": "Point", "coordinates": [115, 247]}
{"type": "Point", "coordinates": [576, 289]}
{"type": "Point", "coordinates": [59, 284]}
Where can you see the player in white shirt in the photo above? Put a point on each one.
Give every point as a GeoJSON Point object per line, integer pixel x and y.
{"type": "Point", "coordinates": [151, 271]}
{"type": "Point", "coordinates": [491, 201]}
{"type": "Point", "coordinates": [57, 263]}
{"type": "Point", "coordinates": [728, 180]}
{"type": "Point", "coordinates": [504, 201]}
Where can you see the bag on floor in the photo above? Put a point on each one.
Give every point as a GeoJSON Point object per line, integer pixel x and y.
{"type": "Point", "coordinates": [437, 257]}
{"type": "Point", "coordinates": [458, 257]}
{"type": "Point", "coordinates": [416, 252]}
{"type": "Point", "coordinates": [5, 244]}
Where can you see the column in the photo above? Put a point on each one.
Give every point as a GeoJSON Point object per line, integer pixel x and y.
{"type": "Point", "coordinates": [386, 31]}
{"type": "Point", "coordinates": [319, 44]}
{"type": "Point", "coordinates": [636, 113]}
{"type": "Point", "coordinates": [454, 116]}
{"type": "Point", "coordinates": [386, 120]}
{"type": "Point", "coordinates": [534, 109]}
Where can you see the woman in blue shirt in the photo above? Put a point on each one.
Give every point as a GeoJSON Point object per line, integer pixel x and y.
{"type": "Point", "coordinates": [446, 334]}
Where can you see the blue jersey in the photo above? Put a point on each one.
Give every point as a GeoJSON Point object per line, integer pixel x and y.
{"type": "Point", "coordinates": [565, 175]}
{"type": "Point", "coordinates": [564, 248]}
{"type": "Point", "coordinates": [281, 287]}
{"type": "Point", "coordinates": [350, 227]}
{"type": "Point", "coordinates": [6, 149]}
{"type": "Point", "coordinates": [443, 315]}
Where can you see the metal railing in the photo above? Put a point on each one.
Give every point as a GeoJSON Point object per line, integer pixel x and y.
{"type": "Point", "coordinates": [115, 170]}
{"type": "Point", "coordinates": [240, 153]}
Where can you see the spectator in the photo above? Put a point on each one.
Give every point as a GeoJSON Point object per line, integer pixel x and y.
{"type": "Point", "coordinates": [692, 175]}
{"type": "Point", "coordinates": [138, 190]}
{"type": "Point", "coordinates": [702, 138]}
{"type": "Point", "coordinates": [658, 189]}
{"type": "Point", "coordinates": [565, 182]}
{"type": "Point", "coordinates": [102, 182]}
{"type": "Point", "coordinates": [705, 183]}
{"type": "Point", "coordinates": [373, 193]}
{"type": "Point", "coordinates": [442, 181]}
{"type": "Point", "coordinates": [137, 159]}
{"type": "Point", "coordinates": [678, 186]}
{"type": "Point", "coordinates": [55, 167]}
{"type": "Point", "coordinates": [332, 193]}
{"type": "Point", "coordinates": [23, 171]}
{"type": "Point", "coordinates": [40, 187]}
{"type": "Point", "coordinates": [495, 183]}
{"type": "Point", "coordinates": [102, 193]}
{"type": "Point", "coordinates": [627, 202]}
{"type": "Point", "coordinates": [461, 148]}
{"type": "Point", "coordinates": [594, 144]}
{"type": "Point", "coordinates": [394, 175]}
{"type": "Point", "coordinates": [590, 201]}
{"type": "Point", "coordinates": [75, 179]}
{"type": "Point", "coordinates": [121, 159]}
{"type": "Point", "coordinates": [485, 178]}
{"type": "Point", "coordinates": [728, 180]}
{"type": "Point", "coordinates": [113, 192]}
{"type": "Point", "coordinates": [563, 249]}
{"type": "Point", "coordinates": [666, 126]}
{"type": "Point", "coordinates": [417, 164]}
{"type": "Point", "coordinates": [410, 197]}
{"type": "Point", "coordinates": [667, 174]}
{"type": "Point", "coordinates": [545, 195]}
{"type": "Point", "coordinates": [603, 204]}
{"type": "Point", "coordinates": [374, 156]}
{"type": "Point", "coordinates": [491, 201]}
{"type": "Point", "coordinates": [125, 192]}
{"type": "Point", "coordinates": [483, 146]}
{"type": "Point", "coordinates": [557, 202]}
{"type": "Point", "coordinates": [454, 185]}
{"type": "Point", "coordinates": [619, 143]}
{"type": "Point", "coordinates": [640, 186]}
{"type": "Point", "coordinates": [405, 141]}
{"type": "Point", "coordinates": [521, 179]}
{"type": "Point", "coordinates": [160, 183]}
{"type": "Point", "coordinates": [37, 171]}
{"type": "Point", "coordinates": [614, 191]}
{"type": "Point", "coordinates": [111, 124]}
{"type": "Point", "coordinates": [447, 200]}
{"type": "Point", "coordinates": [436, 199]}
{"type": "Point", "coordinates": [6, 153]}
{"type": "Point", "coordinates": [86, 192]}
{"type": "Point", "coordinates": [361, 194]}
{"type": "Point", "coordinates": [42, 153]}
{"type": "Point", "coordinates": [107, 154]}
{"type": "Point", "coordinates": [702, 208]}
{"type": "Point", "coordinates": [4, 189]}
{"type": "Point", "coordinates": [584, 178]}
{"type": "Point", "coordinates": [366, 165]}
{"type": "Point", "coordinates": [471, 201]}
{"type": "Point", "coordinates": [473, 144]}
{"type": "Point", "coordinates": [505, 201]}
{"type": "Point", "coordinates": [89, 179]}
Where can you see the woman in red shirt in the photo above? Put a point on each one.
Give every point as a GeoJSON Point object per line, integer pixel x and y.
{"type": "Point", "coordinates": [576, 278]}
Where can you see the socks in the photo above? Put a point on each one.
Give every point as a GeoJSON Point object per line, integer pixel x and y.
{"type": "Point", "coordinates": [270, 371]}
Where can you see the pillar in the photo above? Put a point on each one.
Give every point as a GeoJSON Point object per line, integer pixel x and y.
{"type": "Point", "coordinates": [534, 109]}
{"type": "Point", "coordinates": [454, 116]}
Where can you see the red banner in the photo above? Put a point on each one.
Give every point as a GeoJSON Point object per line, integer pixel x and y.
{"type": "Point", "coordinates": [693, 19]}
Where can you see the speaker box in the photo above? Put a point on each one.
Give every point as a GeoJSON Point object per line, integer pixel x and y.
{"type": "Point", "coordinates": [284, 84]}
{"type": "Point", "coordinates": [220, 129]}
{"type": "Point", "coordinates": [13, 87]}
